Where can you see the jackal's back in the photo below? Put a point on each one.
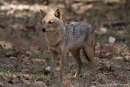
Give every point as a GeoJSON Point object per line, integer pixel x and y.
{"type": "Point", "coordinates": [77, 33]}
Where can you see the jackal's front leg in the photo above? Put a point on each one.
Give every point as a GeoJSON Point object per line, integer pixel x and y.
{"type": "Point", "coordinates": [53, 64]}
{"type": "Point", "coordinates": [62, 65]}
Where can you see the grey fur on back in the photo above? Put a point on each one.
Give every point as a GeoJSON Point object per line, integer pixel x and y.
{"type": "Point", "coordinates": [77, 32]}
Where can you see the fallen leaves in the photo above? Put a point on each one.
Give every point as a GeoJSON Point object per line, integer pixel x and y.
{"type": "Point", "coordinates": [39, 84]}
{"type": "Point", "coordinates": [26, 79]}
{"type": "Point", "coordinates": [26, 70]}
{"type": "Point", "coordinates": [127, 67]}
{"type": "Point", "coordinates": [109, 51]}
{"type": "Point", "coordinates": [35, 49]}
{"type": "Point", "coordinates": [66, 82]}
{"type": "Point", "coordinates": [28, 53]}
{"type": "Point", "coordinates": [30, 28]}
{"type": "Point", "coordinates": [126, 58]}
{"type": "Point", "coordinates": [6, 45]}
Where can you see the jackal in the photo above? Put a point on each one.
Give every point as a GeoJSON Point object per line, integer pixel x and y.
{"type": "Point", "coordinates": [63, 38]}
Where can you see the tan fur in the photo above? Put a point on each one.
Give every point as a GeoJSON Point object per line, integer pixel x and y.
{"type": "Point", "coordinates": [73, 37]}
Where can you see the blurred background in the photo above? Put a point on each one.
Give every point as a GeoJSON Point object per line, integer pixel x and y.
{"type": "Point", "coordinates": [20, 20]}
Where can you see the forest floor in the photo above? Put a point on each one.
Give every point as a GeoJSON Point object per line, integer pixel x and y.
{"type": "Point", "coordinates": [24, 57]}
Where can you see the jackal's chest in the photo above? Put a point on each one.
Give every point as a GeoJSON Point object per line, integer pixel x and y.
{"type": "Point", "coordinates": [52, 40]}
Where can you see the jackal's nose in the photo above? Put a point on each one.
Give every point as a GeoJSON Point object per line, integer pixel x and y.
{"type": "Point", "coordinates": [44, 29]}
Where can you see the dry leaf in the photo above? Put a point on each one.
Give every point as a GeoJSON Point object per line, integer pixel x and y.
{"type": "Point", "coordinates": [1, 84]}
{"type": "Point", "coordinates": [39, 84]}
{"type": "Point", "coordinates": [26, 81]}
{"type": "Point", "coordinates": [107, 66]}
{"type": "Point", "coordinates": [30, 28]}
{"type": "Point", "coordinates": [66, 82]}
{"type": "Point", "coordinates": [126, 58]}
{"type": "Point", "coordinates": [26, 70]}
{"type": "Point", "coordinates": [73, 72]}
{"type": "Point", "coordinates": [14, 81]}
{"type": "Point", "coordinates": [36, 60]}
{"type": "Point", "coordinates": [14, 76]}
{"type": "Point", "coordinates": [35, 49]}
{"type": "Point", "coordinates": [23, 56]}
{"type": "Point", "coordinates": [5, 45]}
{"type": "Point", "coordinates": [28, 53]}
{"type": "Point", "coordinates": [127, 67]}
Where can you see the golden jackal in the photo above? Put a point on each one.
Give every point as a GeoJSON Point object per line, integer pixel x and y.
{"type": "Point", "coordinates": [72, 38]}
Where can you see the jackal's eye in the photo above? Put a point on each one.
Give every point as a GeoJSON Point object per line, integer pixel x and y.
{"type": "Point", "coordinates": [50, 22]}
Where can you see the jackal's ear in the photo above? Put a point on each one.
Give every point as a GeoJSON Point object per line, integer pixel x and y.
{"type": "Point", "coordinates": [43, 13]}
{"type": "Point", "coordinates": [57, 13]}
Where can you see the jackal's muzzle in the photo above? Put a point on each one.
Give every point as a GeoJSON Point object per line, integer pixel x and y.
{"type": "Point", "coordinates": [47, 30]}
{"type": "Point", "coordinates": [44, 29]}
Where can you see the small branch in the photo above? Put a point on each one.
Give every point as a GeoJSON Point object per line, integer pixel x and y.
{"type": "Point", "coordinates": [117, 23]}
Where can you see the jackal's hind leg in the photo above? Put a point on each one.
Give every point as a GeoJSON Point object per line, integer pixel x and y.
{"type": "Point", "coordinates": [89, 49]}
{"type": "Point", "coordinates": [75, 54]}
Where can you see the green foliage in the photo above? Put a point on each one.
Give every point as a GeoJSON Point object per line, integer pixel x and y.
{"type": "Point", "coordinates": [113, 1]}
{"type": "Point", "coordinates": [40, 55]}
{"type": "Point", "coordinates": [4, 69]}
{"type": "Point", "coordinates": [36, 55]}
{"type": "Point", "coordinates": [26, 36]}
{"type": "Point", "coordinates": [29, 85]}
{"type": "Point", "coordinates": [47, 56]}
{"type": "Point", "coordinates": [121, 62]}
{"type": "Point", "coordinates": [125, 49]}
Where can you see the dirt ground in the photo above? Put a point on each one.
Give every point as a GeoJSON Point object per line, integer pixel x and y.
{"type": "Point", "coordinates": [25, 59]}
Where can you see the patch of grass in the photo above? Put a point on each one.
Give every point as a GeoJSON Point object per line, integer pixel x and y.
{"type": "Point", "coordinates": [125, 49]}
{"type": "Point", "coordinates": [26, 36]}
{"type": "Point", "coordinates": [47, 56]}
{"type": "Point", "coordinates": [117, 12]}
{"type": "Point", "coordinates": [2, 54]}
{"type": "Point", "coordinates": [40, 55]}
{"type": "Point", "coordinates": [36, 55]}
{"type": "Point", "coordinates": [4, 69]}
{"type": "Point", "coordinates": [44, 77]}
{"type": "Point", "coordinates": [34, 70]}
{"type": "Point", "coordinates": [83, 71]}
{"type": "Point", "coordinates": [104, 39]}
{"type": "Point", "coordinates": [128, 77]}
{"type": "Point", "coordinates": [121, 62]}
{"type": "Point", "coordinates": [29, 85]}
{"type": "Point", "coordinates": [113, 1]}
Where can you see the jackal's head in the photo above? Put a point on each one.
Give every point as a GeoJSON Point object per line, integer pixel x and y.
{"type": "Point", "coordinates": [51, 20]}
